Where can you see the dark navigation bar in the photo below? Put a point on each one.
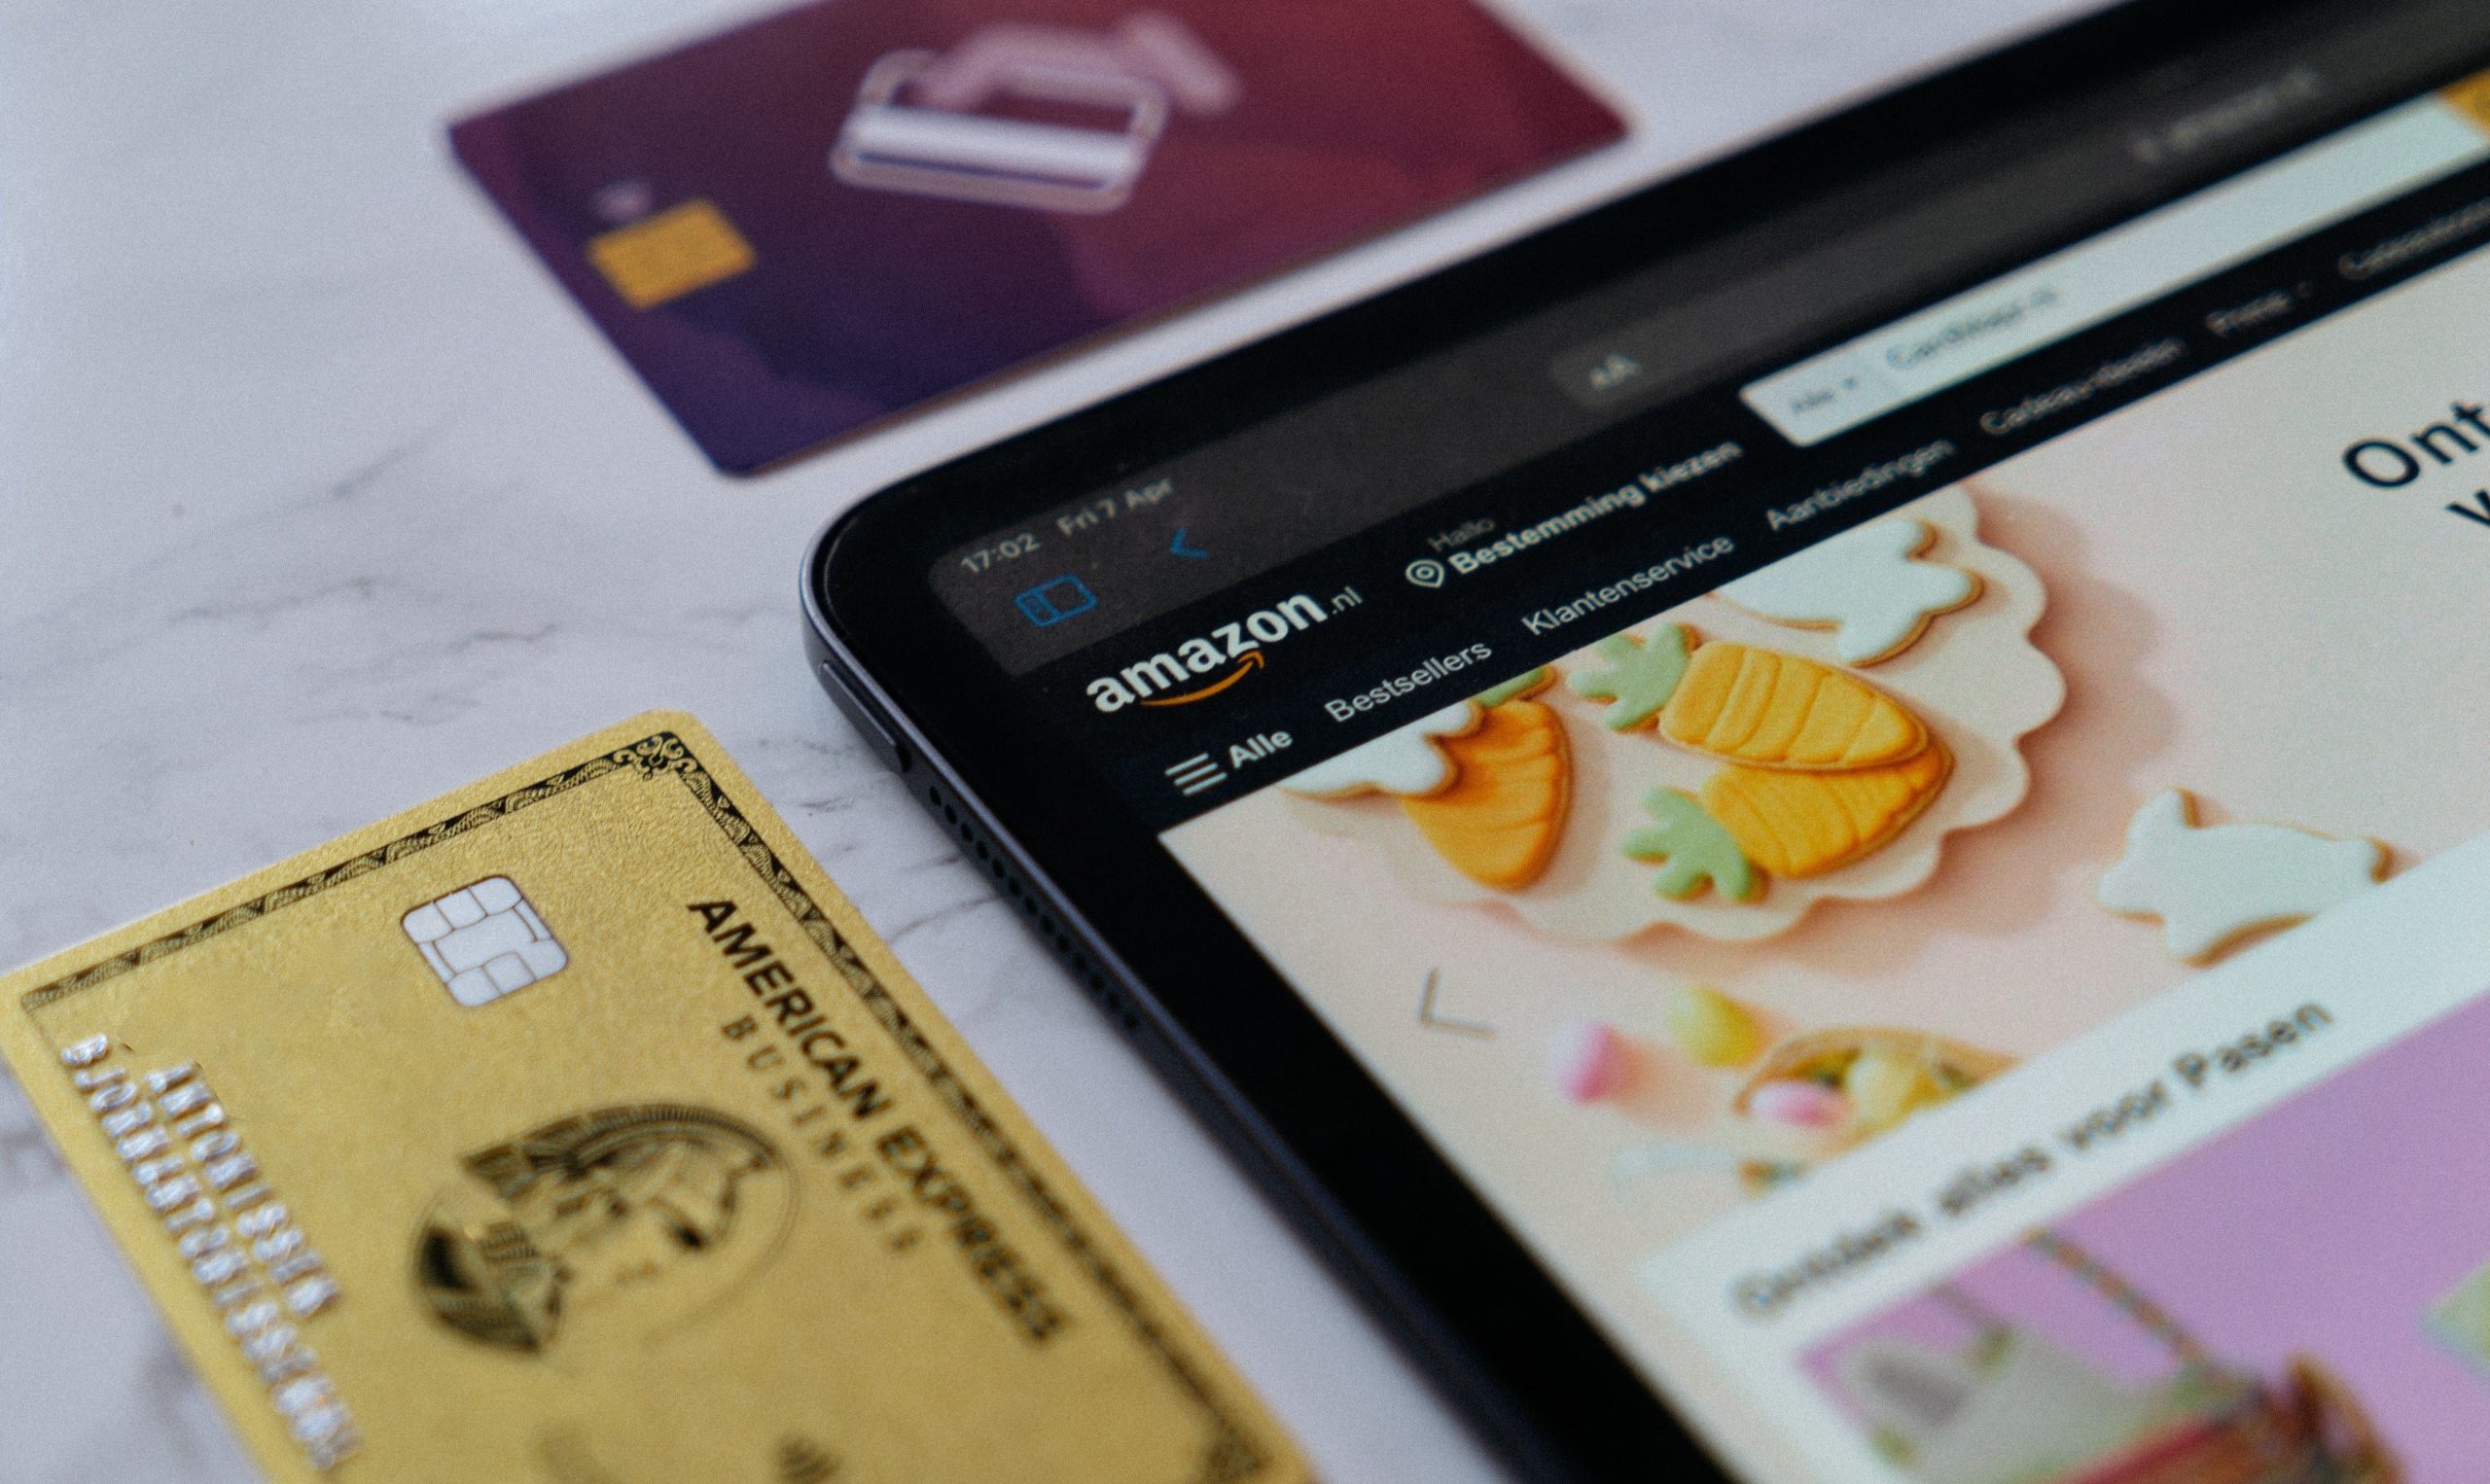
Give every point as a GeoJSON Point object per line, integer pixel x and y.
{"type": "Point", "coordinates": [1273, 675]}
{"type": "Point", "coordinates": [1738, 304]}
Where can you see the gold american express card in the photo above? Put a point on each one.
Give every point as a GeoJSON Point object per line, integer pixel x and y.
{"type": "Point", "coordinates": [576, 1129]}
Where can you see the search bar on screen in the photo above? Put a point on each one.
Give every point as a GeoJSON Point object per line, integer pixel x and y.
{"type": "Point", "coordinates": [2318, 184]}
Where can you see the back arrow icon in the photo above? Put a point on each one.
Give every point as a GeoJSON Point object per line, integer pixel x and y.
{"type": "Point", "coordinates": [1177, 547]}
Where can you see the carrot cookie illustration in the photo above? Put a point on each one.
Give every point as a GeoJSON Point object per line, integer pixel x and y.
{"type": "Point", "coordinates": [1798, 825]}
{"type": "Point", "coordinates": [1498, 824]}
{"type": "Point", "coordinates": [1721, 767]}
{"type": "Point", "coordinates": [1793, 825]}
{"type": "Point", "coordinates": [2213, 884]}
{"type": "Point", "coordinates": [1407, 761]}
{"type": "Point", "coordinates": [1824, 768]}
{"type": "Point", "coordinates": [1748, 705]}
{"type": "Point", "coordinates": [1485, 780]}
{"type": "Point", "coordinates": [1870, 586]}
{"type": "Point", "coordinates": [1692, 850]}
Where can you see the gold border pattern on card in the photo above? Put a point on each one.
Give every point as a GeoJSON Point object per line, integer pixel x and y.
{"type": "Point", "coordinates": [1233, 1455]}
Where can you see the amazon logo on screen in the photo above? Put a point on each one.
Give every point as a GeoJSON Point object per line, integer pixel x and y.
{"type": "Point", "coordinates": [1200, 668]}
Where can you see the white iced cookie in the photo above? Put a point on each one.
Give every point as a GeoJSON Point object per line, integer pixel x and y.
{"type": "Point", "coordinates": [1866, 584]}
{"type": "Point", "coordinates": [2211, 884]}
{"type": "Point", "coordinates": [1405, 762]}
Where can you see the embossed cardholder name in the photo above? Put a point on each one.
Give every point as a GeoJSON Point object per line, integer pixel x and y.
{"type": "Point", "coordinates": [575, 1128]}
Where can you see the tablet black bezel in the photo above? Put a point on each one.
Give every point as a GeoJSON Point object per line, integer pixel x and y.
{"type": "Point", "coordinates": [1457, 1287]}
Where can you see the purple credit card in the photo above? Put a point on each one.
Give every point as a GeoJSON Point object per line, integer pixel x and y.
{"type": "Point", "coordinates": [839, 213]}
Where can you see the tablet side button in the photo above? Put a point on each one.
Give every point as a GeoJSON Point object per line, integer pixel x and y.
{"type": "Point", "coordinates": [866, 718]}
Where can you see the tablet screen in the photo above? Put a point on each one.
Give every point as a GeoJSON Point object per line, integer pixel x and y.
{"type": "Point", "coordinates": [1909, 812]}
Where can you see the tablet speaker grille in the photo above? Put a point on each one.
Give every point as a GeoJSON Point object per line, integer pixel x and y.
{"type": "Point", "coordinates": [947, 806]}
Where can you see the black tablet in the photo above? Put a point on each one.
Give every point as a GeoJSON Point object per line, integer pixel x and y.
{"type": "Point", "coordinates": [1826, 824]}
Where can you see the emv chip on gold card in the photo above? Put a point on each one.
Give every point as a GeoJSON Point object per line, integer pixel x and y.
{"type": "Point", "coordinates": [576, 1129]}
{"type": "Point", "coordinates": [670, 254]}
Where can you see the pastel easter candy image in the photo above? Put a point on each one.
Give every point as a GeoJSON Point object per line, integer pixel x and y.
{"type": "Point", "coordinates": [1712, 1029]}
{"type": "Point", "coordinates": [1865, 1081]}
{"type": "Point", "coordinates": [1799, 1103]}
{"type": "Point", "coordinates": [1887, 1083]}
{"type": "Point", "coordinates": [1590, 1060]}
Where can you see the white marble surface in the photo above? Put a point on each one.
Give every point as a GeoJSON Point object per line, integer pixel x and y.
{"type": "Point", "coordinates": [316, 500]}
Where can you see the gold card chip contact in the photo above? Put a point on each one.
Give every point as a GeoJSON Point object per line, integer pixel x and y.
{"type": "Point", "coordinates": [575, 1128]}
{"type": "Point", "coordinates": [671, 254]}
